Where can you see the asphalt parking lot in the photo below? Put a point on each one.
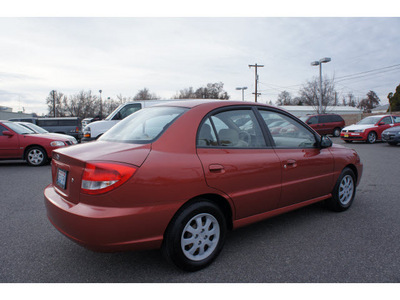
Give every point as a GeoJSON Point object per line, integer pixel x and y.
{"type": "Point", "coordinates": [311, 244]}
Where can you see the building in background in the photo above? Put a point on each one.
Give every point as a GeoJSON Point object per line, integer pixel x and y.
{"type": "Point", "coordinates": [6, 113]}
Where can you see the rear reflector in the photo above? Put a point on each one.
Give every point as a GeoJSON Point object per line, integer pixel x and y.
{"type": "Point", "coordinates": [102, 177]}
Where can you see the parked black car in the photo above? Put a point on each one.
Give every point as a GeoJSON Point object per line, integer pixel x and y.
{"type": "Point", "coordinates": [391, 135]}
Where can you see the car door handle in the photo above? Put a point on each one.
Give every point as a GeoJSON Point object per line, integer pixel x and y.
{"type": "Point", "coordinates": [290, 163]}
{"type": "Point", "coordinates": [216, 168]}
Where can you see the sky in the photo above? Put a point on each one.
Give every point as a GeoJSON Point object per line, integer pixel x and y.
{"type": "Point", "coordinates": [167, 52]}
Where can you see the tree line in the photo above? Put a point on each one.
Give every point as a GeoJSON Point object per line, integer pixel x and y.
{"type": "Point", "coordinates": [85, 104]}
{"type": "Point", "coordinates": [312, 91]}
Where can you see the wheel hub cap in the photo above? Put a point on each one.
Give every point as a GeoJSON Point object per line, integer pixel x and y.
{"type": "Point", "coordinates": [200, 237]}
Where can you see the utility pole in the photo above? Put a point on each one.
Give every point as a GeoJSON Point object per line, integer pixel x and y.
{"type": "Point", "coordinates": [256, 79]}
{"type": "Point", "coordinates": [54, 103]}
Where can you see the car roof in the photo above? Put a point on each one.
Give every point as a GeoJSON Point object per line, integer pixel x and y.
{"type": "Point", "coordinates": [210, 103]}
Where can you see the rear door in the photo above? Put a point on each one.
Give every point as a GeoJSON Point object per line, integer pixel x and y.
{"type": "Point", "coordinates": [307, 170]}
{"type": "Point", "coordinates": [238, 160]}
{"type": "Point", "coordinates": [386, 122]}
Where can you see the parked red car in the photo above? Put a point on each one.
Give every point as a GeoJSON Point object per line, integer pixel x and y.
{"type": "Point", "coordinates": [19, 142]}
{"type": "Point", "coordinates": [369, 129]}
{"type": "Point", "coordinates": [325, 123]}
{"type": "Point", "coordinates": [179, 175]}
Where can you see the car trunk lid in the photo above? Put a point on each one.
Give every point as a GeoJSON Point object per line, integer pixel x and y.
{"type": "Point", "coordinates": [69, 163]}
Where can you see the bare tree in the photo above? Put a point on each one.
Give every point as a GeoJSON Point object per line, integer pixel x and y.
{"type": "Point", "coordinates": [144, 94]}
{"type": "Point", "coordinates": [311, 93]}
{"type": "Point", "coordinates": [55, 102]}
{"type": "Point", "coordinates": [350, 100]}
{"type": "Point", "coordinates": [211, 91]}
{"type": "Point", "coordinates": [284, 98]}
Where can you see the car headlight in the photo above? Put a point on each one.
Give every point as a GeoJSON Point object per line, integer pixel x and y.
{"type": "Point", "coordinates": [359, 130]}
{"type": "Point", "coordinates": [57, 144]}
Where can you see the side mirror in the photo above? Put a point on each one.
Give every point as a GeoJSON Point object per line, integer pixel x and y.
{"type": "Point", "coordinates": [309, 122]}
{"type": "Point", "coordinates": [326, 142]}
{"type": "Point", "coordinates": [8, 133]}
{"type": "Point", "coordinates": [381, 123]}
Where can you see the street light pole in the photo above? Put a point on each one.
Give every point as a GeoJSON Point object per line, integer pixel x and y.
{"type": "Point", "coordinates": [319, 63]}
{"type": "Point", "coordinates": [242, 88]}
{"type": "Point", "coordinates": [101, 106]}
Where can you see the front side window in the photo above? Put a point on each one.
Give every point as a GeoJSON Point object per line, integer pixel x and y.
{"type": "Point", "coordinates": [143, 126]}
{"type": "Point", "coordinates": [18, 128]}
{"type": "Point", "coordinates": [127, 110]}
{"type": "Point", "coordinates": [289, 133]}
{"type": "Point", "coordinates": [237, 128]}
{"type": "Point", "coordinates": [386, 120]}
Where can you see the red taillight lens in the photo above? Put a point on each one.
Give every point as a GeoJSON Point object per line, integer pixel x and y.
{"type": "Point", "coordinates": [101, 177]}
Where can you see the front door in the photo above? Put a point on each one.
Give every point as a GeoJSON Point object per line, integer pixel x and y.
{"type": "Point", "coordinates": [307, 170]}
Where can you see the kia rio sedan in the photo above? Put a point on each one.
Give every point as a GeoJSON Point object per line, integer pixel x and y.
{"type": "Point", "coordinates": [177, 176]}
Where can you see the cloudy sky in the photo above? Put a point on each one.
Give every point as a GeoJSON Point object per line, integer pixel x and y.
{"type": "Point", "coordinates": [166, 54]}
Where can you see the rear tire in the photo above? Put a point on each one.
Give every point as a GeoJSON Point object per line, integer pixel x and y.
{"type": "Point", "coordinates": [195, 236]}
{"type": "Point", "coordinates": [336, 132]}
{"type": "Point", "coordinates": [344, 191]}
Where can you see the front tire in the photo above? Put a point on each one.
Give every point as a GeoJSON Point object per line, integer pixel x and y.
{"type": "Point", "coordinates": [344, 191]}
{"type": "Point", "coordinates": [371, 138]}
{"type": "Point", "coordinates": [195, 236]}
{"type": "Point", "coordinates": [36, 156]}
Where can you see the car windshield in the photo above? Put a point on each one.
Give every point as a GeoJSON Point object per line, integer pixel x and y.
{"type": "Point", "coordinates": [18, 128]}
{"type": "Point", "coordinates": [34, 127]}
{"type": "Point", "coordinates": [369, 121]}
{"type": "Point", "coordinates": [143, 126]}
{"type": "Point", "coordinates": [303, 118]}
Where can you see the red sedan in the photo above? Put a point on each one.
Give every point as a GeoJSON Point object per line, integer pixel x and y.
{"type": "Point", "coordinates": [179, 175]}
{"type": "Point", "coordinates": [19, 142]}
{"type": "Point", "coordinates": [369, 129]}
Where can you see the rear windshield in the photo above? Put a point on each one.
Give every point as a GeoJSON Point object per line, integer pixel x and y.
{"type": "Point", "coordinates": [143, 126]}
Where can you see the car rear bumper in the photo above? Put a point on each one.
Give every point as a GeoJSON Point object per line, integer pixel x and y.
{"type": "Point", "coordinates": [108, 229]}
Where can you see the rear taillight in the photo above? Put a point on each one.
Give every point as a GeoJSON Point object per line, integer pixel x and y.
{"type": "Point", "coordinates": [102, 177]}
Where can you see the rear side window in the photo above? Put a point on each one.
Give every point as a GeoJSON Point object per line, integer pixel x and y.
{"type": "Point", "coordinates": [336, 118]}
{"type": "Point", "coordinates": [324, 119]}
{"type": "Point", "coordinates": [312, 120]}
{"type": "Point", "coordinates": [47, 123]}
{"type": "Point", "coordinates": [236, 128]}
{"type": "Point", "coordinates": [396, 119]}
{"type": "Point", "coordinates": [144, 126]}
{"type": "Point", "coordinates": [68, 123]}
